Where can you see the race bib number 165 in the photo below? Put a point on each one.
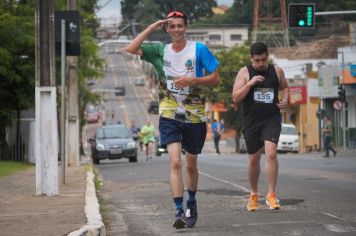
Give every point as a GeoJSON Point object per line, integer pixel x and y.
{"type": "Point", "coordinates": [263, 95]}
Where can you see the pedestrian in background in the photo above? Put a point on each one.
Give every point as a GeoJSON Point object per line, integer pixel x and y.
{"type": "Point", "coordinates": [134, 129]}
{"type": "Point", "coordinates": [140, 139]}
{"type": "Point", "coordinates": [328, 136]}
{"type": "Point", "coordinates": [182, 66]}
{"type": "Point", "coordinates": [148, 133]}
{"type": "Point", "coordinates": [218, 129]}
{"type": "Point", "coordinates": [257, 86]}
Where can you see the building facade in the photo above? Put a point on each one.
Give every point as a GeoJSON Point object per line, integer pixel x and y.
{"type": "Point", "coordinates": [225, 37]}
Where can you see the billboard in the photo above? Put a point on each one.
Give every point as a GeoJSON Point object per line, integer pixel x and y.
{"type": "Point", "coordinates": [297, 95]}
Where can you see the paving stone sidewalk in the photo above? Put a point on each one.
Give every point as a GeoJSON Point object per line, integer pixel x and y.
{"type": "Point", "coordinates": [24, 213]}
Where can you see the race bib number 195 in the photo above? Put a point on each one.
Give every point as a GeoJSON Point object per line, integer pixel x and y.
{"type": "Point", "coordinates": [263, 95]}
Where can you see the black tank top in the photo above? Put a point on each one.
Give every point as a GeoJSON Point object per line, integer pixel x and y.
{"type": "Point", "coordinates": [260, 102]}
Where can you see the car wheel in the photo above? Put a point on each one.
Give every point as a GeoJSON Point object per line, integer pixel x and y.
{"type": "Point", "coordinates": [158, 154]}
{"type": "Point", "coordinates": [133, 159]}
{"type": "Point", "coordinates": [96, 161]}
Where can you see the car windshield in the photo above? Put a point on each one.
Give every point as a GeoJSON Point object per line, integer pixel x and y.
{"type": "Point", "coordinates": [91, 109]}
{"type": "Point", "coordinates": [289, 130]}
{"type": "Point", "coordinates": [113, 132]}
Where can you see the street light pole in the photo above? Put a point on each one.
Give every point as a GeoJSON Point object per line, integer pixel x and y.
{"type": "Point", "coordinates": [63, 96]}
{"type": "Point", "coordinates": [344, 105]}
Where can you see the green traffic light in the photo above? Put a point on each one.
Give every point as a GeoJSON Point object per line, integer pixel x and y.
{"type": "Point", "coordinates": [301, 15]}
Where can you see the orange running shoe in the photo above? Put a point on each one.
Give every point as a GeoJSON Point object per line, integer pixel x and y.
{"type": "Point", "coordinates": [272, 201]}
{"type": "Point", "coordinates": [253, 202]}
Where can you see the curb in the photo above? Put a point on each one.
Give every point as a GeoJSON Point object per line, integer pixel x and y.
{"type": "Point", "coordinates": [94, 225]}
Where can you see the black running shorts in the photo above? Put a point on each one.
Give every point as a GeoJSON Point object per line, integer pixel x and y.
{"type": "Point", "coordinates": [266, 130]}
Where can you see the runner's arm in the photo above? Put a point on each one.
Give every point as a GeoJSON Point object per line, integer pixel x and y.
{"type": "Point", "coordinates": [283, 86]}
{"type": "Point", "coordinates": [210, 79]}
{"type": "Point", "coordinates": [241, 87]}
{"type": "Point", "coordinates": [134, 46]}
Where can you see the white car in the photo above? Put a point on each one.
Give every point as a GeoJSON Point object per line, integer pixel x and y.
{"type": "Point", "coordinates": [289, 139]}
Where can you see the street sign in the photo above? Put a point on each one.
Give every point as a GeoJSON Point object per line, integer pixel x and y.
{"type": "Point", "coordinates": [72, 32]}
{"type": "Point", "coordinates": [337, 105]}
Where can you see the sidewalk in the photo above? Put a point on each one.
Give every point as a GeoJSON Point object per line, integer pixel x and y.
{"type": "Point", "coordinates": [226, 146]}
{"type": "Point", "coordinates": [24, 213]}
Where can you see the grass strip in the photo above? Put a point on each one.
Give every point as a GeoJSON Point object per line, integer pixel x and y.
{"type": "Point", "coordinates": [11, 167]}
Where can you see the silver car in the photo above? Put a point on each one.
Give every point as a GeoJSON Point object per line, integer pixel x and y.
{"type": "Point", "coordinates": [113, 142]}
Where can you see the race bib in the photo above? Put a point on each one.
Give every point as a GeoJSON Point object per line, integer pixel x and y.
{"type": "Point", "coordinates": [174, 89]}
{"type": "Point", "coordinates": [263, 95]}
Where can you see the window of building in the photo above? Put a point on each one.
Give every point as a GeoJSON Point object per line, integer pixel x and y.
{"type": "Point", "coordinates": [215, 37]}
{"type": "Point", "coordinates": [235, 37]}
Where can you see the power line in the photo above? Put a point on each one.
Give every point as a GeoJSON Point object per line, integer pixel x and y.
{"type": "Point", "coordinates": [105, 4]}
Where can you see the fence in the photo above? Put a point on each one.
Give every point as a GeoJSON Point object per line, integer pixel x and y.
{"type": "Point", "coordinates": [22, 145]}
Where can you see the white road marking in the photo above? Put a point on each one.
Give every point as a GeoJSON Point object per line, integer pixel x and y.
{"type": "Point", "coordinates": [224, 181]}
{"type": "Point", "coordinates": [273, 223]}
{"type": "Point", "coordinates": [333, 216]}
{"type": "Point", "coordinates": [339, 228]}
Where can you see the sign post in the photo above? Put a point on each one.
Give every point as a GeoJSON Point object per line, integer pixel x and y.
{"type": "Point", "coordinates": [63, 93]}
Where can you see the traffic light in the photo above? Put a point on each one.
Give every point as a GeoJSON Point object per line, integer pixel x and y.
{"type": "Point", "coordinates": [301, 16]}
{"type": "Point", "coordinates": [341, 93]}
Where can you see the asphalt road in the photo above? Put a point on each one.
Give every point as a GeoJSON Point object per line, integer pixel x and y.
{"type": "Point", "coordinates": [122, 70]}
{"type": "Point", "coordinates": [317, 194]}
{"type": "Point", "coordinates": [317, 197]}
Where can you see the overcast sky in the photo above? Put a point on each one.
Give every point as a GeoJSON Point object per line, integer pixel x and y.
{"type": "Point", "coordinates": [113, 8]}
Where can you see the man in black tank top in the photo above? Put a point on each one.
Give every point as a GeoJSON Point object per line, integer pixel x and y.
{"type": "Point", "coordinates": [257, 86]}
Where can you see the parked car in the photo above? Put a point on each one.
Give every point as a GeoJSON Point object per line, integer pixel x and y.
{"type": "Point", "coordinates": [91, 82]}
{"type": "Point", "coordinates": [92, 114]}
{"type": "Point", "coordinates": [120, 91]}
{"type": "Point", "coordinates": [160, 148]}
{"type": "Point", "coordinates": [289, 139]}
{"type": "Point", "coordinates": [113, 142]}
{"type": "Point", "coordinates": [153, 107]}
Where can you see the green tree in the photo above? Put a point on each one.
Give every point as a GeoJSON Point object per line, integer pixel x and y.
{"type": "Point", "coordinates": [131, 10]}
{"type": "Point", "coordinates": [241, 12]}
{"type": "Point", "coordinates": [230, 63]}
{"type": "Point", "coordinates": [128, 10]}
{"type": "Point", "coordinates": [17, 59]}
{"type": "Point", "coordinates": [87, 9]}
{"type": "Point", "coordinates": [17, 56]}
{"type": "Point", "coordinates": [194, 9]}
{"type": "Point", "coordinates": [147, 12]}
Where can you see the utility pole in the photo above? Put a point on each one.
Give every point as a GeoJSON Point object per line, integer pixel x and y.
{"type": "Point", "coordinates": [46, 102]}
{"type": "Point", "coordinates": [73, 123]}
{"type": "Point", "coordinates": [344, 120]}
{"type": "Point", "coordinates": [267, 15]}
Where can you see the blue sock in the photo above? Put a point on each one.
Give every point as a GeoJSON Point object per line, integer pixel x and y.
{"type": "Point", "coordinates": [179, 202]}
{"type": "Point", "coordinates": [191, 197]}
